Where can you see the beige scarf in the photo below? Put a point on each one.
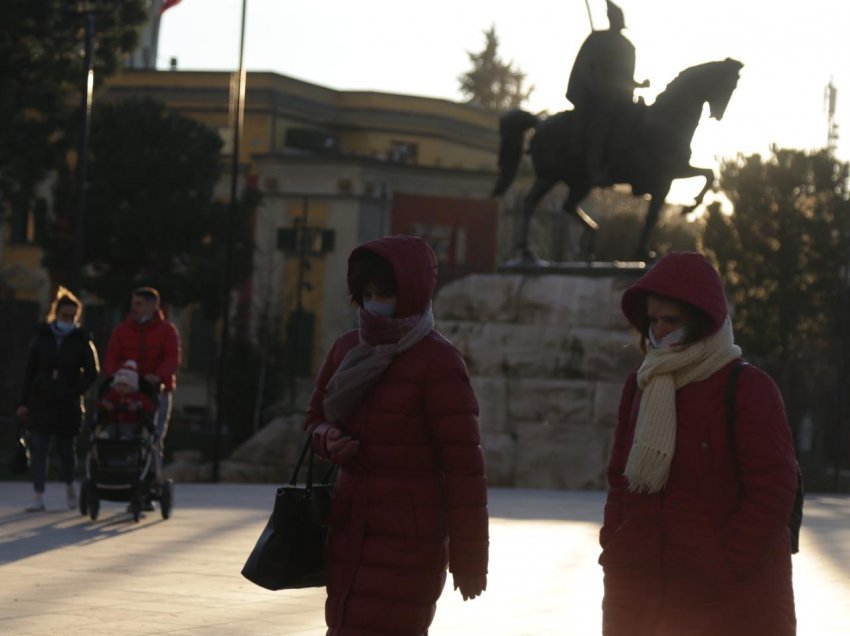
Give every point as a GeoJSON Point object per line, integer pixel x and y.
{"type": "Point", "coordinates": [661, 374]}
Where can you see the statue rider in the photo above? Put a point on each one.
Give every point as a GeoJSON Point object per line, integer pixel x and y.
{"type": "Point", "coordinates": [601, 88]}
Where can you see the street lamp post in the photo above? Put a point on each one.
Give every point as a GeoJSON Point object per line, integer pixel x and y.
{"type": "Point", "coordinates": [83, 150]}
{"type": "Point", "coordinates": [238, 117]}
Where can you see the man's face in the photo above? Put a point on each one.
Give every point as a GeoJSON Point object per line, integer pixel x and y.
{"type": "Point", "coordinates": [141, 307]}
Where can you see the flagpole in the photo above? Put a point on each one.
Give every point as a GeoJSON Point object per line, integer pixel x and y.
{"type": "Point", "coordinates": [238, 120]}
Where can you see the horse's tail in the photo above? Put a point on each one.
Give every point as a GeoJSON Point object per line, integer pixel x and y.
{"type": "Point", "coordinates": [512, 127]}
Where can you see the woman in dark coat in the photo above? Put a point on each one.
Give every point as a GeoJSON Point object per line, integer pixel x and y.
{"type": "Point", "coordinates": [393, 407]}
{"type": "Point", "coordinates": [61, 365]}
{"type": "Point", "coordinates": [695, 540]}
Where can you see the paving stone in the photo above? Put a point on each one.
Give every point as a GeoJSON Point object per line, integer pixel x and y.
{"type": "Point", "coordinates": [63, 575]}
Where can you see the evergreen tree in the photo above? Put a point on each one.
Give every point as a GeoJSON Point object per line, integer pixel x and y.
{"type": "Point", "coordinates": [492, 82]}
{"type": "Point", "coordinates": [151, 218]}
{"type": "Point", "coordinates": [41, 73]}
{"type": "Point", "coordinates": [784, 254]}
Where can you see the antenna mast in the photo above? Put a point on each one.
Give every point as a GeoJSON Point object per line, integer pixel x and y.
{"type": "Point", "coordinates": [830, 96]}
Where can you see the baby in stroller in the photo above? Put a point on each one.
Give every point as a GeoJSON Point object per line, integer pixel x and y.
{"type": "Point", "coordinates": [120, 463]}
{"type": "Point", "coordinates": [128, 410]}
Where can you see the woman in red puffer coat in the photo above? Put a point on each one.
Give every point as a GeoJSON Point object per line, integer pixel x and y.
{"type": "Point", "coordinates": [695, 540]}
{"type": "Point", "coordinates": [393, 407]}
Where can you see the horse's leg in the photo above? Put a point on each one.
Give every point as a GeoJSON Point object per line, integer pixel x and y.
{"type": "Point", "coordinates": [656, 202]}
{"type": "Point", "coordinates": [691, 171]}
{"type": "Point", "coordinates": [537, 192]}
{"type": "Point", "coordinates": [571, 206]}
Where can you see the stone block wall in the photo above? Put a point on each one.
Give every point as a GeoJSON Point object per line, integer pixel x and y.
{"type": "Point", "coordinates": [547, 354]}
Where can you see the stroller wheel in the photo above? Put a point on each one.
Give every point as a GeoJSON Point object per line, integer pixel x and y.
{"type": "Point", "coordinates": [84, 497]}
{"type": "Point", "coordinates": [166, 499]}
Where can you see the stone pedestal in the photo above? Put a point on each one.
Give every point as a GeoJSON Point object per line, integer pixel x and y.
{"type": "Point", "coordinates": [548, 351]}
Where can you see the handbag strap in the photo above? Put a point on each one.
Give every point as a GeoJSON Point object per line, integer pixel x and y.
{"type": "Point", "coordinates": [308, 446]}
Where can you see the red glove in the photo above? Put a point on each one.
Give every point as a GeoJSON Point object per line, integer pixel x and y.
{"type": "Point", "coordinates": [331, 443]}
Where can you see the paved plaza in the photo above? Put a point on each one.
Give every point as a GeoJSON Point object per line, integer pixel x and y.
{"type": "Point", "coordinates": [63, 575]}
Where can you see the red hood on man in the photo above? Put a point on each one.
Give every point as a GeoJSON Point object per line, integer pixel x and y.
{"type": "Point", "coordinates": [684, 276]}
{"type": "Point", "coordinates": [415, 267]}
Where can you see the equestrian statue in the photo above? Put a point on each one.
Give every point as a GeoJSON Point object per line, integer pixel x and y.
{"type": "Point", "coordinates": [608, 138]}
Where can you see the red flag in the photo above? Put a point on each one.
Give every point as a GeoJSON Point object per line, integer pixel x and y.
{"type": "Point", "coordinates": [167, 5]}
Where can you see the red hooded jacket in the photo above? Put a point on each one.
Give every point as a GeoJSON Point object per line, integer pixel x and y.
{"type": "Point", "coordinates": [414, 499]}
{"type": "Point", "coordinates": [154, 345]}
{"type": "Point", "coordinates": [709, 554]}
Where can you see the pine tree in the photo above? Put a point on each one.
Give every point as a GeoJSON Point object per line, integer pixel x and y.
{"type": "Point", "coordinates": [784, 255]}
{"type": "Point", "coordinates": [492, 82]}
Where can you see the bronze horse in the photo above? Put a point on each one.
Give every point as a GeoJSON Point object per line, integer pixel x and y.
{"type": "Point", "coordinates": [650, 148]}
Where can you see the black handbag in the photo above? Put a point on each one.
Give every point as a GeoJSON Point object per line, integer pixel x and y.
{"type": "Point", "coordinates": [19, 462]}
{"type": "Point", "coordinates": [290, 552]}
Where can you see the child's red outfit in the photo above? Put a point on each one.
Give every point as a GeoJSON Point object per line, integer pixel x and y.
{"type": "Point", "coordinates": [129, 412]}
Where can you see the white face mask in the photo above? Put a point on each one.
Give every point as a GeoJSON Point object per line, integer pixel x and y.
{"type": "Point", "coordinates": [672, 339]}
{"type": "Point", "coordinates": [378, 308]}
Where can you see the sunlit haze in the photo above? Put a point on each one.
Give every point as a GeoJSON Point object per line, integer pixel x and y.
{"type": "Point", "coordinates": [790, 51]}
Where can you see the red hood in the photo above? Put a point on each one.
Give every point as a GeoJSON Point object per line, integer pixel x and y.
{"type": "Point", "coordinates": [685, 276]}
{"type": "Point", "coordinates": [415, 267]}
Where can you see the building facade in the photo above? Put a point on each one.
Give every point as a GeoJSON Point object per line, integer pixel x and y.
{"type": "Point", "coordinates": [335, 169]}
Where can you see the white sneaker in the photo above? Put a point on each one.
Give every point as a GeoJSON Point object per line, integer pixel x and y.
{"type": "Point", "coordinates": [37, 504]}
{"type": "Point", "coordinates": [72, 497]}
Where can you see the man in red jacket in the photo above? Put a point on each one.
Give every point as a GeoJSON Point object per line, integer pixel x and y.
{"type": "Point", "coordinates": [154, 343]}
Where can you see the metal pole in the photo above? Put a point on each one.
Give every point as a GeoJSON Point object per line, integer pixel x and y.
{"type": "Point", "coordinates": [82, 155]}
{"type": "Point", "coordinates": [238, 116]}
{"type": "Point", "coordinates": [841, 439]}
{"type": "Point", "coordinates": [589, 14]}
{"type": "Point", "coordinates": [302, 253]}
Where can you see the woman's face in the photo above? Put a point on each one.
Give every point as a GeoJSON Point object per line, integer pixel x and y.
{"type": "Point", "coordinates": [378, 303]}
{"type": "Point", "coordinates": [370, 292]}
{"type": "Point", "coordinates": [66, 313]}
{"type": "Point", "coordinates": [664, 316]}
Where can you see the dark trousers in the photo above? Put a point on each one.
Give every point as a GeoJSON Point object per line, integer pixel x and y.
{"type": "Point", "coordinates": [39, 446]}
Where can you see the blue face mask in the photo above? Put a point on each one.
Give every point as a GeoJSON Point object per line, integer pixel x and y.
{"type": "Point", "coordinates": [378, 308]}
{"type": "Point", "coordinates": [63, 326]}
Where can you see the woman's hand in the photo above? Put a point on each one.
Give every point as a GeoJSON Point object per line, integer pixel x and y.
{"type": "Point", "coordinates": [470, 586]}
{"type": "Point", "coordinates": [340, 444]}
{"type": "Point", "coordinates": [22, 412]}
{"type": "Point", "coordinates": [330, 442]}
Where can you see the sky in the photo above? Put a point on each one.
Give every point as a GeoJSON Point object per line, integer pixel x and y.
{"type": "Point", "coordinates": [790, 50]}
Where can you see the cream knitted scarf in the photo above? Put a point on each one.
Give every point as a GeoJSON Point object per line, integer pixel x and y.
{"type": "Point", "coordinates": [661, 374]}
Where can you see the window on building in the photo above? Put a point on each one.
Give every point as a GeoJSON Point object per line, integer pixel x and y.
{"type": "Point", "coordinates": [403, 152]}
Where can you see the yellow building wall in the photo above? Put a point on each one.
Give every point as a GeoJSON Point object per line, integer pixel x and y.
{"type": "Point", "coordinates": [22, 270]}
{"type": "Point", "coordinates": [431, 151]}
{"type": "Point", "coordinates": [365, 131]}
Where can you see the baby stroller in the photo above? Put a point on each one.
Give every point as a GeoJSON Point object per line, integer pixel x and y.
{"type": "Point", "coordinates": [122, 469]}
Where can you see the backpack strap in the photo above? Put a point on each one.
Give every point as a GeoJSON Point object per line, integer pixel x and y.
{"type": "Point", "coordinates": [731, 381]}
